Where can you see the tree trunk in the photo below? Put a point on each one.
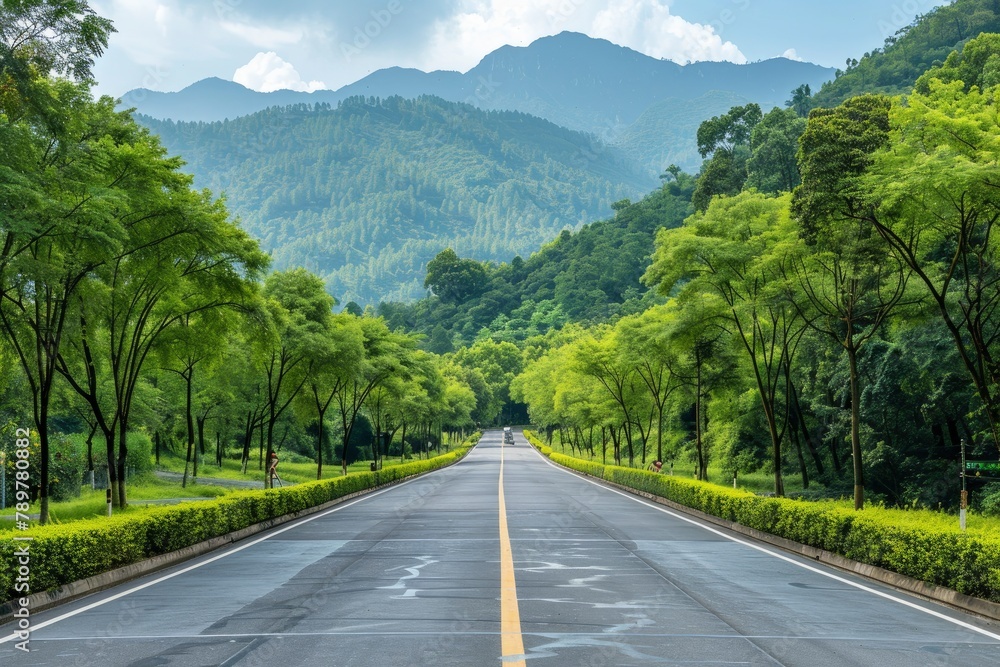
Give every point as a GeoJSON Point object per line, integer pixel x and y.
{"type": "Point", "coordinates": [859, 470]}
{"type": "Point", "coordinates": [801, 424]}
{"type": "Point", "coordinates": [122, 456]}
{"type": "Point", "coordinates": [190, 424]}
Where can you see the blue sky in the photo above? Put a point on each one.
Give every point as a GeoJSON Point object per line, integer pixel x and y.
{"type": "Point", "coordinates": [311, 44]}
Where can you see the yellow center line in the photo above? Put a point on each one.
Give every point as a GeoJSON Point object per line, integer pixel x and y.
{"type": "Point", "coordinates": [511, 644]}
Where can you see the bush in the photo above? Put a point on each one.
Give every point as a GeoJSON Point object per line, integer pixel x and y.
{"type": "Point", "coordinates": [67, 463]}
{"type": "Point", "coordinates": [989, 499]}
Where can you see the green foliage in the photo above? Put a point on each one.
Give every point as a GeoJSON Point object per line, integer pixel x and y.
{"type": "Point", "coordinates": [367, 194]}
{"type": "Point", "coordinates": [589, 275]}
{"type": "Point", "coordinates": [727, 139]}
{"type": "Point", "coordinates": [455, 280]}
{"type": "Point", "coordinates": [911, 51]}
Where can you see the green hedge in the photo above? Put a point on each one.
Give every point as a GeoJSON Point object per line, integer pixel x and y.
{"type": "Point", "coordinates": [964, 562]}
{"type": "Point", "coordinates": [61, 554]}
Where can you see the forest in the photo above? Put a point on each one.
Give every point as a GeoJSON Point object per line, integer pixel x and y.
{"type": "Point", "coordinates": [841, 331]}
{"type": "Point", "coordinates": [137, 319]}
{"type": "Point", "coordinates": [365, 194]}
{"type": "Point", "coordinates": [818, 303]}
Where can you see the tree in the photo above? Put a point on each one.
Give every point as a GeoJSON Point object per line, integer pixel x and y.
{"type": "Point", "coordinates": [499, 363]}
{"type": "Point", "coordinates": [850, 290]}
{"type": "Point", "coordinates": [801, 101]}
{"type": "Point", "coordinates": [921, 175]}
{"type": "Point", "coordinates": [643, 339]}
{"type": "Point", "coordinates": [734, 251]}
{"type": "Point", "coordinates": [338, 358]}
{"type": "Point", "coordinates": [386, 354]}
{"type": "Point", "coordinates": [598, 358]}
{"type": "Point", "coordinates": [727, 139]}
{"type": "Point", "coordinates": [300, 311]}
{"type": "Point", "coordinates": [42, 36]}
{"type": "Point", "coordinates": [58, 194]}
{"type": "Point", "coordinates": [455, 280]}
{"type": "Point", "coordinates": [774, 145]}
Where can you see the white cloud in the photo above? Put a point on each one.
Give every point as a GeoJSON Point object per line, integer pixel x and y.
{"type": "Point", "coordinates": [480, 26]}
{"type": "Point", "coordinates": [263, 37]}
{"type": "Point", "coordinates": [648, 27]}
{"type": "Point", "coordinates": [791, 55]}
{"type": "Point", "coordinates": [267, 72]}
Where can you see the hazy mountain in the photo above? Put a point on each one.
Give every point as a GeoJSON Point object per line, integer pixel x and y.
{"type": "Point", "coordinates": [585, 84]}
{"type": "Point", "coordinates": [366, 194]}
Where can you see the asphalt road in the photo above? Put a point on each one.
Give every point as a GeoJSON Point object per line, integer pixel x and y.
{"type": "Point", "coordinates": [423, 574]}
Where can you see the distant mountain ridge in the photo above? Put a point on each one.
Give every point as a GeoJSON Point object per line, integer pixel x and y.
{"type": "Point", "coordinates": [365, 194]}
{"type": "Point", "coordinates": [585, 84]}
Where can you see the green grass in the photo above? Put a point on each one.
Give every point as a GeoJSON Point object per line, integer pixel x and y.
{"type": "Point", "coordinates": [293, 468]}
{"type": "Point", "coordinates": [92, 503]}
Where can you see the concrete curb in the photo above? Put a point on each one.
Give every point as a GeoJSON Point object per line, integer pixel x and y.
{"type": "Point", "coordinates": [946, 596]}
{"type": "Point", "coordinates": [50, 598]}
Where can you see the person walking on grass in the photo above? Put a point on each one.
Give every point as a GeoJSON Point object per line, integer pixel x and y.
{"type": "Point", "coordinates": [272, 469]}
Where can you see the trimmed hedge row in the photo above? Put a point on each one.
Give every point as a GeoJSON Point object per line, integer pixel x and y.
{"type": "Point", "coordinates": [61, 554]}
{"type": "Point", "coordinates": [964, 562]}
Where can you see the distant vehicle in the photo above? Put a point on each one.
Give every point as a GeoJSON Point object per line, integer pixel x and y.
{"type": "Point", "coordinates": [508, 436]}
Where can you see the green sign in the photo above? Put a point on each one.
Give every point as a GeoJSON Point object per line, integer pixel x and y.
{"type": "Point", "coordinates": [983, 466]}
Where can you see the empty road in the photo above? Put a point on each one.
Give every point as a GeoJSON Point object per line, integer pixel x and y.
{"type": "Point", "coordinates": [503, 559]}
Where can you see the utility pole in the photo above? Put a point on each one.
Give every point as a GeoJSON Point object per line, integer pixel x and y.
{"type": "Point", "coordinates": [965, 494]}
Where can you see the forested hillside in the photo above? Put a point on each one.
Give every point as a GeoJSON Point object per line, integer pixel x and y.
{"type": "Point", "coordinates": [591, 275]}
{"type": "Point", "coordinates": [833, 322]}
{"type": "Point", "coordinates": [367, 193]}
{"type": "Point", "coordinates": [913, 49]}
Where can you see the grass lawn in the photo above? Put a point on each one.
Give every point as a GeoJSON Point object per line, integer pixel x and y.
{"type": "Point", "coordinates": [294, 471]}
{"type": "Point", "coordinates": [92, 503]}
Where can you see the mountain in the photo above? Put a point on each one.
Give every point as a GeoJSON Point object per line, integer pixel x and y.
{"type": "Point", "coordinates": [911, 51]}
{"type": "Point", "coordinates": [367, 193]}
{"type": "Point", "coordinates": [589, 275]}
{"type": "Point", "coordinates": [579, 82]}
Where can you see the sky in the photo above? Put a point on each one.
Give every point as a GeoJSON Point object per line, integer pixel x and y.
{"type": "Point", "coordinates": [313, 44]}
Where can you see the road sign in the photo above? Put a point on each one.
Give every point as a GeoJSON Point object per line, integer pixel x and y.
{"type": "Point", "coordinates": [982, 466]}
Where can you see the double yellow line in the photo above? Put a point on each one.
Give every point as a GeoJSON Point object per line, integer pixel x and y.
{"type": "Point", "coordinates": [511, 644]}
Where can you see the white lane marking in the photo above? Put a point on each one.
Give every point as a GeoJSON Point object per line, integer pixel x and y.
{"type": "Point", "coordinates": [228, 552]}
{"type": "Point", "coordinates": [536, 633]}
{"type": "Point", "coordinates": [805, 566]}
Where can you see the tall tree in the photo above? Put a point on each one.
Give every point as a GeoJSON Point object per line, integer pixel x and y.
{"type": "Point", "coordinates": [300, 311]}
{"type": "Point", "coordinates": [60, 196]}
{"type": "Point", "coordinates": [182, 256]}
{"type": "Point", "coordinates": [921, 175]}
{"type": "Point", "coordinates": [734, 251]}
